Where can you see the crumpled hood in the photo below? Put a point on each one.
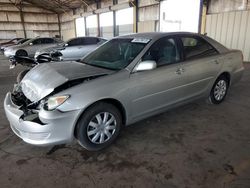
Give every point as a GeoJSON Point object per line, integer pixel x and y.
{"type": "Point", "coordinates": [44, 78]}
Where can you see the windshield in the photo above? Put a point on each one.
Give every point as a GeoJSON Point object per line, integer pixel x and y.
{"type": "Point", "coordinates": [28, 41]}
{"type": "Point", "coordinates": [22, 41]}
{"type": "Point", "coordinates": [115, 54]}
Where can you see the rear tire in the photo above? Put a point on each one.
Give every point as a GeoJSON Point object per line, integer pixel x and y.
{"type": "Point", "coordinates": [99, 126]}
{"type": "Point", "coordinates": [21, 75]}
{"type": "Point", "coordinates": [219, 90]}
{"type": "Point", "coordinates": [21, 53]}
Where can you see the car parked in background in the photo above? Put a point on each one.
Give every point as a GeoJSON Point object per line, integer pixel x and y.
{"type": "Point", "coordinates": [30, 47]}
{"type": "Point", "coordinates": [21, 41]}
{"type": "Point", "coordinates": [12, 41]}
{"type": "Point", "coordinates": [75, 48]}
{"type": "Point", "coordinates": [127, 79]}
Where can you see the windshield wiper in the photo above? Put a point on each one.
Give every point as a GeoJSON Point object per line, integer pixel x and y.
{"type": "Point", "coordinates": [94, 65]}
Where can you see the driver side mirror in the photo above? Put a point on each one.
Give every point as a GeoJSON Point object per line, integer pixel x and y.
{"type": "Point", "coordinates": [145, 66]}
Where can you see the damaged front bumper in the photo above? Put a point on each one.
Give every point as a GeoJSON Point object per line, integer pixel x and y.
{"type": "Point", "coordinates": [44, 128]}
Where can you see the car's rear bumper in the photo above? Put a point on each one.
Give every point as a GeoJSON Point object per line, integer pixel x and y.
{"type": "Point", "coordinates": [51, 128]}
{"type": "Point", "coordinates": [237, 75]}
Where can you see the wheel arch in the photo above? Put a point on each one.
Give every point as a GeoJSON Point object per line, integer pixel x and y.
{"type": "Point", "coordinates": [19, 50]}
{"type": "Point", "coordinates": [112, 101]}
{"type": "Point", "coordinates": [227, 75]}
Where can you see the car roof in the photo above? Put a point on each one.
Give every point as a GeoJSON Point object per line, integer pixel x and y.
{"type": "Point", "coordinates": [155, 35]}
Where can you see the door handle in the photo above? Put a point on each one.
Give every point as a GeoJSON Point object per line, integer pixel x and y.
{"type": "Point", "coordinates": [179, 71]}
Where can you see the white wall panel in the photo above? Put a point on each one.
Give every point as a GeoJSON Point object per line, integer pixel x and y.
{"type": "Point", "coordinates": [232, 29]}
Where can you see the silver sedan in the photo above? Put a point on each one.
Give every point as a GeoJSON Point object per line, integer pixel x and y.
{"type": "Point", "coordinates": [127, 79]}
{"type": "Point", "coordinates": [75, 48]}
{"type": "Point", "coordinates": [30, 47]}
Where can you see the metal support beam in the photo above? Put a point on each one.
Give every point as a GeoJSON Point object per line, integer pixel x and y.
{"type": "Point", "coordinates": [200, 16]}
{"type": "Point", "coordinates": [23, 24]}
{"type": "Point", "coordinates": [98, 25]}
{"type": "Point", "coordinates": [114, 25]}
{"type": "Point", "coordinates": [59, 25]}
{"type": "Point", "coordinates": [136, 14]}
{"type": "Point", "coordinates": [115, 33]}
{"type": "Point", "coordinates": [98, 6]}
{"type": "Point", "coordinates": [85, 25]}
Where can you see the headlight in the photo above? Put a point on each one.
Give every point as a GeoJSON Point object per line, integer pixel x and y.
{"type": "Point", "coordinates": [54, 102]}
{"type": "Point", "coordinates": [36, 54]}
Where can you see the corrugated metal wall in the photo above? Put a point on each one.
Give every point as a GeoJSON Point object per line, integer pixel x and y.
{"type": "Point", "coordinates": [37, 21]}
{"type": "Point", "coordinates": [67, 25]}
{"type": "Point", "coordinates": [148, 16]}
{"type": "Point", "coordinates": [232, 29]}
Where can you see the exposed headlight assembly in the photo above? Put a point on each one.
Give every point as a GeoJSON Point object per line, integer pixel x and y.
{"type": "Point", "coordinates": [53, 102]}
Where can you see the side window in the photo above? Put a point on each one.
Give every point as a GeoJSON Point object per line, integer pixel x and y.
{"type": "Point", "coordinates": [37, 41]}
{"type": "Point", "coordinates": [197, 48]}
{"type": "Point", "coordinates": [49, 40]}
{"type": "Point", "coordinates": [89, 41]}
{"type": "Point", "coordinates": [43, 41]}
{"type": "Point", "coordinates": [163, 52]}
{"type": "Point", "coordinates": [74, 42]}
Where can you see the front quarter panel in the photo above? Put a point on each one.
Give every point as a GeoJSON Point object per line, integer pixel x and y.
{"type": "Point", "coordinates": [115, 86]}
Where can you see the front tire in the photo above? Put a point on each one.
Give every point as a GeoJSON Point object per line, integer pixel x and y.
{"type": "Point", "coordinates": [219, 90]}
{"type": "Point", "coordinates": [99, 126]}
{"type": "Point", "coordinates": [21, 75]}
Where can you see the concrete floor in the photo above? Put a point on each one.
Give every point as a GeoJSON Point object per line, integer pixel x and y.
{"type": "Point", "coordinates": [194, 146]}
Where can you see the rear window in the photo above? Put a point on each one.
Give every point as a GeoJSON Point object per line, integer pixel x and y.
{"type": "Point", "coordinates": [75, 42]}
{"type": "Point", "coordinates": [195, 47]}
{"type": "Point", "coordinates": [89, 41]}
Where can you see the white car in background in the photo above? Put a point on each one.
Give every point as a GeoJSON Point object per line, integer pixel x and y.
{"type": "Point", "coordinates": [30, 47]}
{"type": "Point", "coordinates": [76, 48]}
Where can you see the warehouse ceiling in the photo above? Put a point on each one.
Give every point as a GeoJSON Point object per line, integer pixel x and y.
{"type": "Point", "coordinates": [58, 6]}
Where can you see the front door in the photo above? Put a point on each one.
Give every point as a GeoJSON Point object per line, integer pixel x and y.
{"type": "Point", "coordinates": [156, 89]}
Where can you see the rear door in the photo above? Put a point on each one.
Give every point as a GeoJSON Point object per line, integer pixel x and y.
{"type": "Point", "coordinates": [79, 47]}
{"type": "Point", "coordinates": [71, 51]}
{"type": "Point", "coordinates": [90, 44]}
{"type": "Point", "coordinates": [202, 63]}
{"type": "Point", "coordinates": [37, 44]}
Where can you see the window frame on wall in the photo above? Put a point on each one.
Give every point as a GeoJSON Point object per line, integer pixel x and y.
{"type": "Point", "coordinates": [121, 17]}
{"type": "Point", "coordinates": [91, 26]}
{"type": "Point", "coordinates": [173, 19]}
{"type": "Point", "coordinates": [118, 18]}
{"type": "Point", "coordinates": [80, 33]}
{"type": "Point", "coordinates": [105, 16]}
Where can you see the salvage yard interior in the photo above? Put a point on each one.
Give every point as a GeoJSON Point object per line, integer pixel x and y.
{"type": "Point", "coordinates": [199, 143]}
